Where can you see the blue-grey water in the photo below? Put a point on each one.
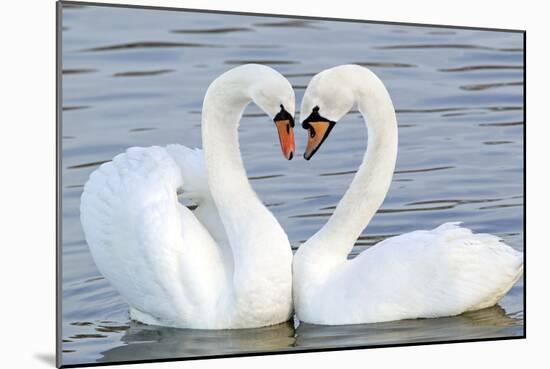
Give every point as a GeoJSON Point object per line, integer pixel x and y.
{"type": "Point", "coordinates": [136, 77]}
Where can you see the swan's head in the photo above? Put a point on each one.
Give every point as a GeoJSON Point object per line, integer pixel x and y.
{"type": "Point", "coordinates": [328, 97]}
{"type": "Point", "coordinates": [275, 96]}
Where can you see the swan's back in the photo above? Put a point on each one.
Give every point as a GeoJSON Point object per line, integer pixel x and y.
{"type": "Point", "coordinates": [444, 271]}
{"type": "Point", "coordinates": [422, 274]}
{"type": "Point", "coordinates": [152, 249]}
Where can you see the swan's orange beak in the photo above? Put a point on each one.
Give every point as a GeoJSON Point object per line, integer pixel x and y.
{"type": "Point", "coordinates": [318, 129]}
{"type": "Point", "coordinates": [286, 138]}
{"type": "Point", "coordinates": [285, 123]}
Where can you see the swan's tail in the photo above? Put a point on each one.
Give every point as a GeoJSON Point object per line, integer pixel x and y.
{"type": "Point", "coordinates": [488, 267]}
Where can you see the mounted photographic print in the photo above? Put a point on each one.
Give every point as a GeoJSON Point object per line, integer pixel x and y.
{"type": "Point", "coordinates": [240, 184]}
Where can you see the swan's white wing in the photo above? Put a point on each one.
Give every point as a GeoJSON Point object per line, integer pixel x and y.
{"type": "Point", "coordinates": [152, 249]}
{"type": "Point", "coordinates": [441, 272]}
{"type": "Point", "coordinates": [445, 271]}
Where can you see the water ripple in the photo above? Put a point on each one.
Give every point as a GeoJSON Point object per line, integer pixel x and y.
{"type": "Point", "coordinates": [441, 33]}
{"type": "Point", "coordinates": [74, 107]}
{"type": "Point", "coordinates": [486, 86]}
{"type": "Point", "coordinates": [497, 142]}
{"type": "Point", "coordinates": [88, 165]}
{"type": "Point", "coordinates": [260, 61]}
{"type": "Point", "coordinates": [386, 65]}
{"type": "Point", "coordinates": [293, 23]}
{"type": "Point", "coordinates": [400, 210]}
{"type": "Point", "coordinates": [402, 171]}
{"type": "Point", "coordinates": [144, 73]}
{"type": "Point", "coordinates": [288, 75]}
{"type": "Point", "coordinates": [471, 68]}
{"type": "Point", "coordinates": [146, 45]}
{"type": "Point", "coordinates": [459, 109]}
{"type": "Point", "coordinates": [452, 201]}
{"type": "Point", "coordinates": [85, 336]}
{"type": "Point", "coordinates": [329, 174]}
{"type": "Point", "coordinates": [143, 129]}
{"type": "Point", "coordinates": [421, 170]}
{"type": "Point", "coordinates": [213, 30]}
{"type": "Point", "coordinates": [255, 178]}
{"type": "Point", "coordinates": [445, 46]}
{"type": "Point", "coordinates": [78, 71]}
{"type": "Point", "coordinates": [500, 206]}
{"type": "Point", "coordinates": [501, 124]}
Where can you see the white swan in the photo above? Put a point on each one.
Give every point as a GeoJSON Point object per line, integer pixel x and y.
{"type": "Point", "coordinates": [226, 264]}
{"type": "Point", "coordinates": [422, 274]}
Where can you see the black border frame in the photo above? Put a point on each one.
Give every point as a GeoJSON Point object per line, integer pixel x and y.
{"type": "Point", "coordinates": [58, 194]}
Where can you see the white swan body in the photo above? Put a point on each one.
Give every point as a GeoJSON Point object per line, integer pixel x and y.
{"type": "Point", "coordinates": [441, 272]}
{"type": "Point", "coordinates": [226, 264]}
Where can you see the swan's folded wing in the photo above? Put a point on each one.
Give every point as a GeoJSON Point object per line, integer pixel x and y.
{"type": "Point", "coordinates": [441, 272]}
{"type": "Point", "coordinates": [152, 249]}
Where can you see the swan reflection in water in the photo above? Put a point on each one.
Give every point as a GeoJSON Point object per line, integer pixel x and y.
{"type": "Point", "coordinates": [145, 342]}
{"type": "Point", "coordinates": [487, 323]}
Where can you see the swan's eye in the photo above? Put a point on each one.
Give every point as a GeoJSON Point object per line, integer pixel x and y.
{"type": "Point", "coordinates": [311, 132]}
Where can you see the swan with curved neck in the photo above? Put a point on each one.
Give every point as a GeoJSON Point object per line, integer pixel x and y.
{"type": "Point", "coordinates": [442, 272]}
{"type": "Point", "coordinates": [226, 264]}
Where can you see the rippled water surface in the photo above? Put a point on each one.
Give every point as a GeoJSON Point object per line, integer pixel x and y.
{"type": "Point", "coordinates": [137, 77]}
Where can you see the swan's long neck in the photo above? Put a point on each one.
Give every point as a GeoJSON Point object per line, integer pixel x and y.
{"type": "Point", "coordinates": [227, 178]}
{"type": "Point", "coordinates": [256, 238]}
{"type": "Point", "coordinates": [373, 178]}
